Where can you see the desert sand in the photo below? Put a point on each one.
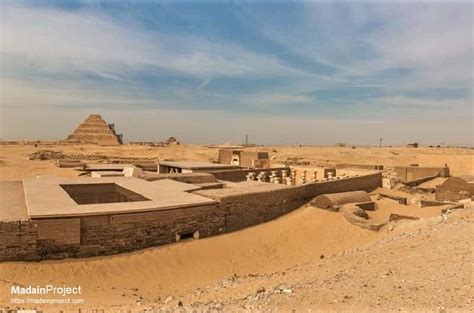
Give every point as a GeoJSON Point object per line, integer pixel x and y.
{"type": "Point", "coordinates": [14, 163]}
{"type": "Point", "coordinates": [308, 259]}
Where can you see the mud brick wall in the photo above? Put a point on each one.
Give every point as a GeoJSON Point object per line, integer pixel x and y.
{"type": "Point", "coordinates": [105, 234]}
{"type": "Point", "coordinates": [240, 175]}
{"type": "Point", "coordinates": [254, 208]}
{"type": "Point", "coordinates": [18, 241]}
{"type": "Point", "coordinates": [365, 182]}
{"type": "Point", "coordinates": [111, 234]}
{"type": "Point", "coordinates": [58, 237]}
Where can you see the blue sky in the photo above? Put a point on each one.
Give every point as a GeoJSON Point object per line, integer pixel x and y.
{"type": "Point", "coordinates": [282, 72]}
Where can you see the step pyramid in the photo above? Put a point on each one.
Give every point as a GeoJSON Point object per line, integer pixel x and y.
{"type": "Point", "coordinates": [95, 130]}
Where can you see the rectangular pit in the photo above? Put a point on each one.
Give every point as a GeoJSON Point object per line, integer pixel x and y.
{"type": "Point", "coordinates": [101, 193]}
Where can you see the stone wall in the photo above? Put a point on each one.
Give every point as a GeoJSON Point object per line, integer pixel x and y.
{"type": "Point", "coordinates": [252, 208]}
{"type": "Point", "coordinates": [18, 241]}
{"type": "Point", "coordinates": [61, 236]}
{"type": "Point", "coordinates": [117, 233]}
{"type": "Point", "coordinates": [247, 158]}
{"type": "Point", "coordinates": [407, 173]}
{"type": "Point", "coordinates": [108, 234]}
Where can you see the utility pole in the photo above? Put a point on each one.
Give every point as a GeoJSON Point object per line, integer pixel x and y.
{"type": "Point", "coordinates": [380, 143]}
{"type": "Point", "coordinates": [246, 140]}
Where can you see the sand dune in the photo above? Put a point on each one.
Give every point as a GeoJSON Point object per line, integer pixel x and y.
{"type": "Point", "coordinates": [298, 237]}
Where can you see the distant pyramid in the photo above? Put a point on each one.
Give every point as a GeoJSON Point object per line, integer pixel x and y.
{"type": "Point", "coordinates": [95, 130]}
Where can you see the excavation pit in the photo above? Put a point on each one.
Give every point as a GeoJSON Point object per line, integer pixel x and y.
{"type": "Point", "coordinates": [101, 193]}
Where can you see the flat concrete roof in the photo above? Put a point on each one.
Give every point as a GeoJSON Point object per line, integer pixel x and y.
{"type": "Point", "coordinates": [12, 201]}
{"type": "Point", "coordinates": [195, 165]}
{"type": "Point", "coordinates": [45, 197]}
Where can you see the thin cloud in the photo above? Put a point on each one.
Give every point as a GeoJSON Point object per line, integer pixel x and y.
{"type": "Point", "coordinates": [352, 63]}
{"type": "Point", "coordinates": [204, 84]}
{"type": "Point", "coordinates": [90, 41]}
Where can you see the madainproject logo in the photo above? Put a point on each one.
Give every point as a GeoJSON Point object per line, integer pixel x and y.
{"type": "Point", "coordinates": [46, 290]}
{"type": "Point", "coordinates": [48, 294]}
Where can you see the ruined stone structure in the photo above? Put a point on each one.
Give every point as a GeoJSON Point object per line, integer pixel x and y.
{"type": "Point", "coordinates": [334, 201]}
{"type": "Point", "coordinates": [409, 173]}
{"type": "Point", "coordinates": [244, 158]}
{"type": "Point", "coordinates": [253, 204]}
{"type": "Point", "coordinates": [47, 218]}
{"type": "Point", "coordinates": [455, 189]}
{"type": "Point", "coordinates": [171, 141]}
{"type": "Point", "coordinates": [96, 131]}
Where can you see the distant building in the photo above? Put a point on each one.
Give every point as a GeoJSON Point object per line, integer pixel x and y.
{"type": "Point", "coordinates": [243, 158]}
{"type": "Point", "coordinates": [412, 145]}
{"type": "Point", "coordinates": [171, 141]}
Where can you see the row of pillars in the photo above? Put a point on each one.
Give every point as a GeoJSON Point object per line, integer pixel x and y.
{"type": "Point", "coordinates": [287, 177]}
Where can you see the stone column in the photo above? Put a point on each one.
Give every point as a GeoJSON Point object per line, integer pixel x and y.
{"type": "Point", "coordinates": [273, 176]}
{"type": "Point", "coordinates": [284, 176]}
{"type": "Point", "coordinates": [303, 178]}
{"type": "Point", "coordinates": [262, 177]}
{"type": "Point", "coordinates": [293, 176]}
